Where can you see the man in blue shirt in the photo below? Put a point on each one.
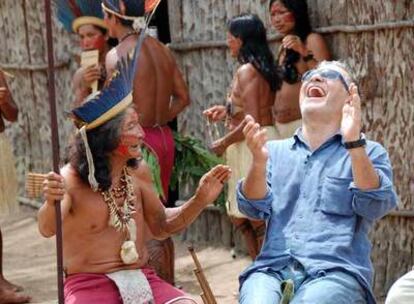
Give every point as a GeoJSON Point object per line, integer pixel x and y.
{"type": "Point", "coordinates": [319, 193]}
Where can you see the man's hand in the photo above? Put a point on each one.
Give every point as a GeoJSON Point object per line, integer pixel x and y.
{"type": "Point", "coordinates": [90, 74]}
{"type": "Point", "coordinates": [3, 95]}
{"type": "Point", "coordinates": [53, 188]}
{"type": "Point", "coordinates": [255, 140]}
{"type": "Point", "coordinates": [294, 43]}
{"type": "Point", "coordinates": [351, 115]}
{"type": "Point", "coordinates": [211, 184]}
{"type": "Point", "coordinates": [215, 113]}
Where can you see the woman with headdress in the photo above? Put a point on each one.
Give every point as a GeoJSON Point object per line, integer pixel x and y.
{"type": "Point", "coordinates": [252, 92]}
{"type": "Point", "coordinates": [85, 18]}
{"type": "Point", "coordinates": [300, 51]}
{"type": "Point", "coordinates": [8, 185]}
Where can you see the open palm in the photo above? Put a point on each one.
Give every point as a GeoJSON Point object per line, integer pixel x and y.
{"type": "Point", "coordinates": [212, 183]}
{"type": "Point", "coordinates": [351, 116]}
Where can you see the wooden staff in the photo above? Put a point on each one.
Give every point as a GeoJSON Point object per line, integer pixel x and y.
{"type": "Point", "coordinates": [55, 143]}
{"type": "Point", "coordinates": [207, 295]}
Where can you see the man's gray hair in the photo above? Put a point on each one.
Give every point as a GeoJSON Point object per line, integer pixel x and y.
{"type": "Point", "coordinates": [340, 64]}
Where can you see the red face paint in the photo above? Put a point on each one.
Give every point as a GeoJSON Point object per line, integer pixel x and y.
{"type": "Point", "coordinates": [288, 17]}
{"type": "Point", "coordinates": [93, 43]}
{"type": "Point", "coordinates": [280, 11]}
{"type": "Point", "coordinates": [122, 149]}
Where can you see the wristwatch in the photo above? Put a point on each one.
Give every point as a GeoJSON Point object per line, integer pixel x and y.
{"type": "Point", "coordinates": [355, 144]}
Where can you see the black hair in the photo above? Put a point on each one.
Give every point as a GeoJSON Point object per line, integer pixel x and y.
{"type": "Point", "coordinates": [133, 8]}
{"type": "Point", "coordinates": [101, 29]}
{"type": "Point", "coordinates": [299, 9]}
{"type": "Point", "coordinates": [102, 141]}
{"type": "Point", "coordinates": [255, 49]}
{"type": "Point", "coordinates": [303, 28]}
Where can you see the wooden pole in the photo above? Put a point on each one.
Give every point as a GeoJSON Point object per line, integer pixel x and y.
{"type": "Point", "coordinates": [55, 143]}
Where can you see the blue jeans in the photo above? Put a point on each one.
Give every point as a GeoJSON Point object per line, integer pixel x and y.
{"type": "Point", "coordinates": [337, 287]}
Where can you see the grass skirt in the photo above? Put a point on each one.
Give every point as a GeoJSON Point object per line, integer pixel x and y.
{"type": "Point", "coordinates": [239, 158]}
{"type": "Point", "coordinates": [8, 179]}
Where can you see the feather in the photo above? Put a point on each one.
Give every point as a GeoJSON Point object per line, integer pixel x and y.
{"type": "Point", "coordinates": [68, 10]}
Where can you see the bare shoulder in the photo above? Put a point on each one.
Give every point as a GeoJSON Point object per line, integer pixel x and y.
{"type": "Point", "coordinates": [71, 176]}
{"type": "Point", "coordinates": [316, 43]}
{"type": "Point", "coordinates": [246, 73]}
{"type": "Point", "coordinates": [315, 39]}
{"type": "Point", "coordinates": [142, 172]}
{"type": "Point", "coordinates": [159, 49]}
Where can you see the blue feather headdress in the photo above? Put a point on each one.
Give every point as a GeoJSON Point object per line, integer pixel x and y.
{"type": "Point", "coordinates": [138, 11]}
{"type": "Point", "coordinates": [104, 105]}
{"type": "Point", "coordinates": [75, 13]}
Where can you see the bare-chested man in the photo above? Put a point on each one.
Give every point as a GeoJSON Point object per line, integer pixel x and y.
{"type": "Point", "coordinates": [85, 18]}
{"type": "Point", "coordinates": [104, 232]}
{"type": "Point", "coordinates": [166, 93]}
{"type": "Point", "coordinates": [301, 50]}
{"type": "Point", "coordinates": [8, 186]}
{"type": "Point", "coordinates": [253, 92]}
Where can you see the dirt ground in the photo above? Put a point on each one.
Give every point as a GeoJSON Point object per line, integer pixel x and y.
{"type": "Point", "coordinates": [29, 260]}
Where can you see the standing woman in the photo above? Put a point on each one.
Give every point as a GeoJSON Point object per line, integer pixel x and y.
{"type": "Point", "coordinates": [300, 51]}
{"type": "Point", "coordinates": [252, 92]}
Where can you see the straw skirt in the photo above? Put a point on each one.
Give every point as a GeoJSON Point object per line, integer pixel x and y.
{"type": "Point", "coordinates": [239, 158]}
{"type": "Point", "coordinates": [8, 179]}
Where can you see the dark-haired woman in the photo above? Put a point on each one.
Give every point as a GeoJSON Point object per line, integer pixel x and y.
{"type": "Point", "coordinates": [300, 51]}
{"type": "Point", "coordinates": [252, 93]}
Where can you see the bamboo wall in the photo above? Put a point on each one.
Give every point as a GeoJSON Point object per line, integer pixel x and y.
{"type": "Point", "coordinates": [376, 38]}
{"type": "Point", "coordinates": [23, 53]}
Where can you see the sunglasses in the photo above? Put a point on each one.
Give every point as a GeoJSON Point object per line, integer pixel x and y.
{"type": "Point", "coordinates": [327, 74]}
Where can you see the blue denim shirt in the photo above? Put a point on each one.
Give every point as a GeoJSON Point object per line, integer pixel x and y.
{"type": "Point", "coordinates": [314, 212]}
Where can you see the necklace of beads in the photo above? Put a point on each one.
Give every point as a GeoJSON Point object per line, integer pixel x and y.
{"type": "Point", "coordinates": [120, 216]}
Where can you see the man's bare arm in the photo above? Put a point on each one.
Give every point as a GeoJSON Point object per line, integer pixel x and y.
{"type": "Point", "coordinates": [180, 98]}
{"type": "Point", "coordinates": [54, 190]}
{"type": "Point", "coordinates": [166, 221]}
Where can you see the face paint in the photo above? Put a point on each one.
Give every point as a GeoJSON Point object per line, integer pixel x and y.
{"type": "Point", "coordinates": [288, 17]}
{"type": "Point", "coordinates": [95, 43]}
{"type": "Point", "coordinates": [279, 10]}
{"type": "Point", "coordinates": [122, 149]}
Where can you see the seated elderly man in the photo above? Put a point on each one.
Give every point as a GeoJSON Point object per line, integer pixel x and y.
{"type": "Point", "coordinates": [319, 193]}
{"type": "Point", "coordinates": [109, 203]}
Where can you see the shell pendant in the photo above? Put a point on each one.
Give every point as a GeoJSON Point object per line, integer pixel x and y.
{"type": "Point", "coordinates": [129, 254]}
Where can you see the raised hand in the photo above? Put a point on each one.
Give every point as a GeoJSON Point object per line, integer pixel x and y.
{"type": "Point", "coordinates": [212, 183]}
{"type": "Point", "coordinates": [215, 113]}
{"type": "Point", "coordinates": [90, 74]}
{"type": "Point", "coordinates": [351, 115]}
{"type": "Point", "coordinates": [294, 43]}
{"type": "Point", "coordinates": [53, 188]}
{"type": "Point", "coordinates": [255, 140]}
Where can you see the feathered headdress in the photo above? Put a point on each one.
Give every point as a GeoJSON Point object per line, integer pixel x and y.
{"type": "Point", "coordinates": [75, 13]}
{"type": "Point", "coordinates": [104, 105]}
{"type": "Point", "coordinates": [138, 11]}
